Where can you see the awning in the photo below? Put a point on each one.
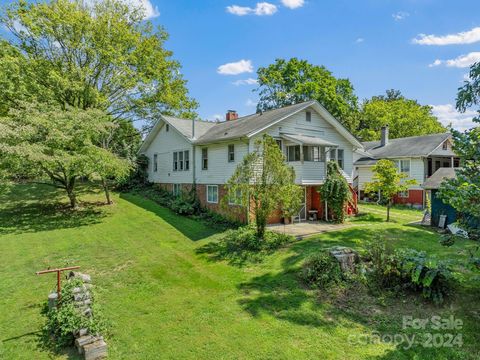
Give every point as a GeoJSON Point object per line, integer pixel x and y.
{"type": "Point", "coordinates": [308, 140]}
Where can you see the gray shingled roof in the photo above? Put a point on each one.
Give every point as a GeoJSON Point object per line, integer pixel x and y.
{"type": "Point", "coordinates": [184, 126]}
{"type": "Point", "coordinates": [408, 146]}
{"type": "Point", "coordinates": [434, 181]}
{"type": "Point", "coordinates": [414, 146]}
{"type": "Point", "coordinates": [249, 124]}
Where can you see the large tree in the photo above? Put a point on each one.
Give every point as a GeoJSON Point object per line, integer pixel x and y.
{"type": "Point", "coordinates": [90, 54]}
{"type": "Point", "coordinates": [405, 117]}
{"type": "Point", "coordinates": [463, 193]}
{"type": "Point", "coordinates": [263, 183]}
{"type": "Point", "coordinates": [288, 82]}
{"type": "Point", "coordinates": [61, 145]}
{"type": "Point", "coordinates": [388, 181]}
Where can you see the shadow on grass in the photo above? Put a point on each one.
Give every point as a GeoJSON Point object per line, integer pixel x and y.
{"type": "Point", "coordinates": [33, 217]}
{"type": "Point", "coordinates": [192, 229]}
{"type": "Point", "coordinates": [282, 295]}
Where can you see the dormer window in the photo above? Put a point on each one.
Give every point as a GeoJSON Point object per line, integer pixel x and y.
{"type": "Point", "coordinates": [308, 116]}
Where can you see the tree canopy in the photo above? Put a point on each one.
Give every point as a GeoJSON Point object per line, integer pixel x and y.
{"type": "Point", "coordinates": [90, 54]}
{"type": "Point", "coordinates": [59, 144]}
{"type": "Point", "coordinates": [388, 181]}
{"type": "Point", "coordinates": [263, 183]}
{"type": "Point", "coordinates": [463, 193]}
{"type": "Point", "coordinates": [405, 117]}
{"type": "Point", "coordinates": [288, 82]}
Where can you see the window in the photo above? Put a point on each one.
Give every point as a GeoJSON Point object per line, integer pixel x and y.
{"type": "Point", "coordinates": [313, 153]}
{"type": "Point", "coordinates": [205, 159]}
{"type": "Point", "coordinates": [308, 116]}
{"type": "Point", "coordinates": [333, 155]}
{"type": "Point", "coordinates": [167, 128]}
{"type": "Point", "coordinates": [404, 194]}
{"type": "Point", "coordinates": [403, 166]}
{"type": "Point", "coordinates": [445, 145]}
{"type": "Point", "coordinates": [186, 159]}
{"type": "Point", "coordinates": [340, 157]}
{"type": "Point", "coordinates": [237, 199]}
{"type": "Point", "coordinates": [155, 162]}
{"type": "Point", "coordinates": [175, 161]}
{"type": "Point", "coordinates": [293, 153]}
{"type": "Point", "coordinates": [181, 160]}
{"type": "Point", "coordinates": [212, 194]}
{"type": "Point", "coordinates": [231, 153]}
{"type": "Point", "coordinates": [177, 188]}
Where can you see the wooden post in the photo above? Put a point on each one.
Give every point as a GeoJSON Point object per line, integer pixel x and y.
{"type": "Point", "coordinates": [59, 280]}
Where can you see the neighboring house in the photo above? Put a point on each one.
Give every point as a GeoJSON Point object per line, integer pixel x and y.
{"type": "Point", "coordinates": [184, 153]}
{"type": "Point", "coordinates": [417, 156]}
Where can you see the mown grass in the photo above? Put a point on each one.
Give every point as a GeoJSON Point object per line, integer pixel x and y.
{"type": "Point", "coordinates": [164, 300]}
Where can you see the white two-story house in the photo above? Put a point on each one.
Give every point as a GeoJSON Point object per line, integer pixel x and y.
{"type": "Point", "coordinates": [418, 156]}
{"type": "Point", "coordinates": [184, 153]}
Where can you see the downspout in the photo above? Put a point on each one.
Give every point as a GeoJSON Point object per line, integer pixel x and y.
{"type": "Point", "coordinates": [248, 192]}
{"type": "Point", "coordinates": [194, 162]}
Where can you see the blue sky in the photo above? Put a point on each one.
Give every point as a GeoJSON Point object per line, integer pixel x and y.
{"type": "Point", "coordinates": [371, 42]}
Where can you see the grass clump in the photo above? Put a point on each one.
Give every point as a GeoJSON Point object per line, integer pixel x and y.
{"type": "Point", "coordinates": [322, 270]}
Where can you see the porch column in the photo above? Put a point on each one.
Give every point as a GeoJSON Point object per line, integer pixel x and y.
{"type": "Point", "coordinates": [452, 162]}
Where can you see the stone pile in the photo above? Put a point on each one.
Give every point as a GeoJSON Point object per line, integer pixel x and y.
{"type": "Point", "coordinates": [92, 346]}
{"type": "Point", "coordinates": [346, 257]}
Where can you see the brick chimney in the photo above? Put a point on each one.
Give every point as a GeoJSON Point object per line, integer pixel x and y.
{"type": "Point", "coordinates": [384, 137]}
{"type": "Point", "coordinates": [231, 115]}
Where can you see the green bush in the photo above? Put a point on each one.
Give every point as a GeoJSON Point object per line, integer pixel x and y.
{"type": "Point", "coordinates": [245, 239]}
{"type": "Point", "coordinates": [61, 322]}
{"type": "Point", "coordinates": [322, 270]}
{"type": "Point", "coordinates": [428, 275]}
{"type": "Point", "coordinates": [384, 265]}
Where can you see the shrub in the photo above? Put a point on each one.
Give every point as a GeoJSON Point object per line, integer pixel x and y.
{"type": "Point", "coordinates": [321, 271]}
{"type": "Point", "coordinates": [384, 264]}
{"type": "Point", "coordinates": [428, 275]}
{"type": "Point", "coordinates": [63, 321]}
{"type": "Point", "coordinates": [245, 239]}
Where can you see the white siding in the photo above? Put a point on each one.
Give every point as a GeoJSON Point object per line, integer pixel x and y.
{"type": "Point", "coordinates": [219, 169]}
{"type": "Point", "coordinates": [417, 171]}
{"type": "Point", "coordinates": [164, 144]}
{"type": "Point", "coordinates": [311, 172]}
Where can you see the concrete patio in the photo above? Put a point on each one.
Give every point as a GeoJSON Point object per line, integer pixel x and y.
{"type": "Point", "coordinates": [306, 228]}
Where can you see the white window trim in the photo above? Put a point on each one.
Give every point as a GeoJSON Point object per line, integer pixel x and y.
{"type": "Point", "coordinates": [202, 158]}
{"type": "Point", "coordinates": [228, 153]}
{"type": "Point", "coordinates": [180, 168]}
{"type": "Point", "coordinates": [155, 162]}
{"type": "Point", "coordinates": [399, 166]}
{"type": "Point", "coordinates": [212, 186]}
{"type": "Point", "coordinates": [402, 193]}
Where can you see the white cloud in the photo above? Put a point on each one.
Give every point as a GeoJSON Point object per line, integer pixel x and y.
{"type": "Point", "coordinates": [462, 61]}
{"type": "Point", "coordinates": [248, 81]}
{"type": "Point", "coordinates": [447, 114]}
{"type": "Point", "coordinates": [261, 9]}
{"type": "Point", "coordinates": [466, 37]}
{"type": "Point", "coordinates": [293, 4]}
{"type": "Point", "coordinates": [398, 16]}
{"type": "Point", "coordinates": [235, 68]}
{"type": "Point", "coordinates": [250, 103]}
{"type": "Point", "coordinates": [217, 117]}
{"type": "Point", "coordinates": [360, 40]}
{"type": "Point", "coordinates": [239, 10]}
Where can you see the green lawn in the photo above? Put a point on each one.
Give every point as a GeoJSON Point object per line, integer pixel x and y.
{"type": "Point", "coordinates": [165, 299]}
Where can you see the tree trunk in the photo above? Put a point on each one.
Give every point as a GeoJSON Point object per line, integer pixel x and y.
{"type": "Point", "coordinates": [107, 191]}
{"type": "Point", "coordinates": [69, 187]}
{"type": "Point", "coordinates": [388, 211]}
